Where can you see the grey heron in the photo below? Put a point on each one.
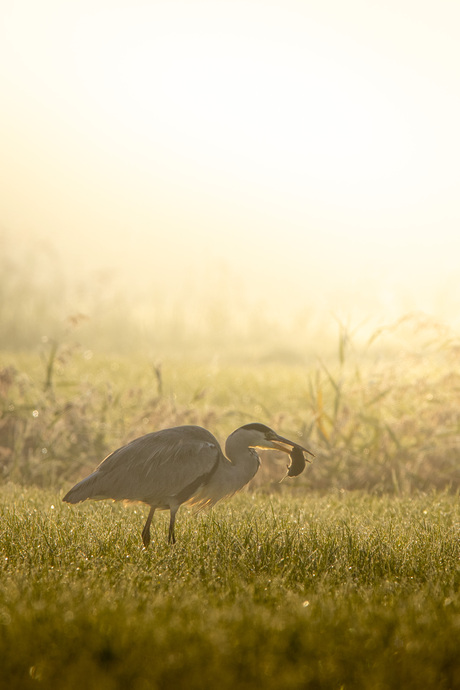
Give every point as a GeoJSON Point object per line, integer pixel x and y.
{"type": "Point", "coordinates": [184, 464]}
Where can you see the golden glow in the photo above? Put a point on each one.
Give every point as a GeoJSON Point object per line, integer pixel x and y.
{"type": "Point", "coordinates": [322, 137]}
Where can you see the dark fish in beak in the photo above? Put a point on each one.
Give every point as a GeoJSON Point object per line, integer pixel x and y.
{"type": "Point", "coordinates": [298, 461]}
{"type": "Point", "coordinates": [296, 453]}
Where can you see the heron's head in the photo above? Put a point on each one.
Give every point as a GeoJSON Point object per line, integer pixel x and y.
{"type": "Point", "coordinates": [260, 436]}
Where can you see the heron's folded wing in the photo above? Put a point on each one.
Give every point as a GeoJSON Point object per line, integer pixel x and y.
{"type": "Point", "coordinates": [161, 465]}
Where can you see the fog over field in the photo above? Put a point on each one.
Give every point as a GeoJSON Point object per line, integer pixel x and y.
{"type": "Point", "coordinates": [289, 159]}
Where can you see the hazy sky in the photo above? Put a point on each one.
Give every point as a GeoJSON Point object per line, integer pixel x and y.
{"type": "Point", "coordinates": [311, 147]}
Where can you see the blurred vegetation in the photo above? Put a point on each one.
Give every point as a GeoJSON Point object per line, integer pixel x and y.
{"type": "Point", "coordinates": [389, 425]}
{"type": "Point", "coordinates": [378, 408]}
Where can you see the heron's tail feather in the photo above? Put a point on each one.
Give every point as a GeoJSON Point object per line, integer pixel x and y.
{"type": "Point", "coordinates": [87, 488]}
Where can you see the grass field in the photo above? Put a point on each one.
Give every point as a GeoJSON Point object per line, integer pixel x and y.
{"type": "Point", "coordinates": [346, 577]}
{"type": "Point", "coordinates": [335, 591]}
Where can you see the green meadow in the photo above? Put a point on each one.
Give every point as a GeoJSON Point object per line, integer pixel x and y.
{"type": "Point", "coordinates": [343, 590]}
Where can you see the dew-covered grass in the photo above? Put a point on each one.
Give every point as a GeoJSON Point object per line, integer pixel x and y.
{"type": "Point", "coordinates": [342, 590]}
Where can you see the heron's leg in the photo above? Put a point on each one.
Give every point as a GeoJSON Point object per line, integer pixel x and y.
{"type": "Point", "coordinates": [171, 537]}
{"type": "Point", "coordinates": [146, 530]}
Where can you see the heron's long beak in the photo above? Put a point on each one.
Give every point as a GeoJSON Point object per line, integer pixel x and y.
{"type": "Point", "coordinates": [287, 446]}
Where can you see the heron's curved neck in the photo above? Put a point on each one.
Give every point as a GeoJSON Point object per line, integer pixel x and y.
{"type": "Point", "coordinates": [231, 476]}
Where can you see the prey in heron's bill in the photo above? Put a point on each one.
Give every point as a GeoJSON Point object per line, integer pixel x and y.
{"type": "Point", "coordinates": [184, 464]}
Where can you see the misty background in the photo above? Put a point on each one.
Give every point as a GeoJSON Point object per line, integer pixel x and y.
{"type": "Point", "coordinates": [251, 171]}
